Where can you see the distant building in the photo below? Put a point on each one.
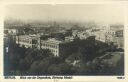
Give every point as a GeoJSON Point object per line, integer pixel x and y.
{"type": "Point", "coordinates": [80, 34]}
{"type": "Point", "coordinates": [69, 38]}
{"type": "Point", "coordinates": [109, 35]}
{"type": "Point", "coordinates": [83, 35]}
{"type": "Point", "coordinates": [116, 37]}
{"type": "Point", "coordinates": [11, 31]}
{"type": "Point", "coordinates": [74, 33]}
{"type": "Point", "coordinates": [119, 33]}
{"type": "Point", "coordinates": [119, 42]}
{"type": "Point", "coordinates": [99, 35]}
{"type": "Point", "coordinates": [28, 41]}
{"type": "Point", "coordinates": [116, 27]}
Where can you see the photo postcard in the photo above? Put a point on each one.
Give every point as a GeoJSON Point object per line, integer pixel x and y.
{"type": "Point", "coordinates": [64, 42]}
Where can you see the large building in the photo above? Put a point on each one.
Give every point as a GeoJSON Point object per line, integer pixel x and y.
{"type": "Point", "coordinates": [57, 47]}
{"type": "Point", "coordinates": [52, 45]}
{"type": "Point", "coordinates": [28, 41]}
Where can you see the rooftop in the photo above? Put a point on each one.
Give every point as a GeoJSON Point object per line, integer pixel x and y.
{"type": "Point", "coordinates": [53, 40]}
{"type": "Point", "coordinates": [28, 36]}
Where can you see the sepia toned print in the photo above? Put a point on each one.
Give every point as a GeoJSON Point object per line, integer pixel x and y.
{"type": "Point", "coordinates": [65, 39]}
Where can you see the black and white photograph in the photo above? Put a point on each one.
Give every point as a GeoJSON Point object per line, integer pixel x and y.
{"type": "Point", "coordinates": [63, 39]}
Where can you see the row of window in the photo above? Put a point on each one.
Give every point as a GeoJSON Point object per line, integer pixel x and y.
{"type": "Point", "coordinates": [51, 46]}
{"type": "Point", "coordinates": [26, 41]}
{"type": "Point", "coordinates": [110, 32]}
{"type": "Point", "coordinates": [55, 52]}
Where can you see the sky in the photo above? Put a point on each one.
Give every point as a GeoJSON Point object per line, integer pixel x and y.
{"type": "Point", "coordinates": [107, 13]}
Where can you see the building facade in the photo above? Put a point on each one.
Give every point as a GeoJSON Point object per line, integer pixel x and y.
{"type": "Point", "coordinates": [27, 41]}
{"type": "Point", "coordinates": [57, 47]}
{"type": "Point", "coordinates": [52, 45]}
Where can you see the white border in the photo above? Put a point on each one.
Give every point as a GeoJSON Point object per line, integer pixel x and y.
{"type": "Point", "coordinates": [75, 78]}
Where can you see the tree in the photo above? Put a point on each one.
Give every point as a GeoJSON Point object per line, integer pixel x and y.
{"type": "Point", "coordinates": [23, 65]}
{"type": "Point", "coordinates": [54, 70]}
{"type": "Point", "coordinates": [73, 57]}
{"type": "Point", "coordinates": [34, 69]}
{"type": "Point", "coordinates": [14, 60]}
{"type": "Point", "coordinates": [65, 69]}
